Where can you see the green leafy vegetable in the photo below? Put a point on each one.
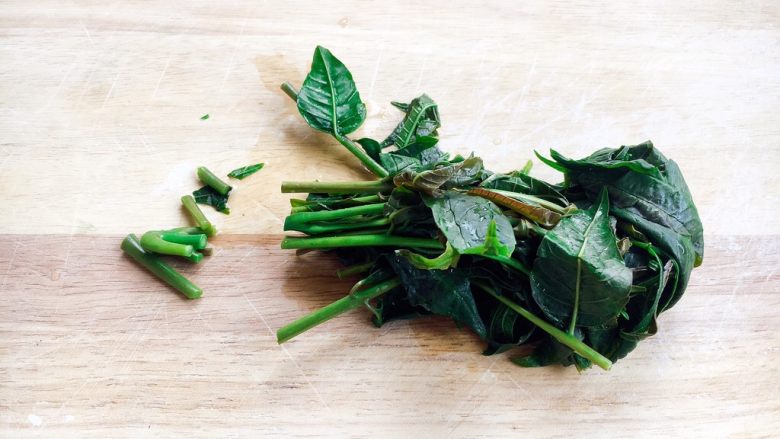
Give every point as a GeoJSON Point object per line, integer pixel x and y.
{"type": "Point", "coordinates": [465, 220]}
{"type": "Point", "coordinates": [419, 125]}
{"type": "Point", "coordinates": [329, 100]}
{"type": "Point", "coordinates": [246, 171]}
{"type": "Point", "coordinates": [642, 183]}
{"type": "Point", "coordinates": [204, 117]}
{"type": "Point", "coordinates": [581, 270]}
{"type": "Point", "coordinates": [414, 158]}
{"type": "Point", "coordinates": [578, 275]}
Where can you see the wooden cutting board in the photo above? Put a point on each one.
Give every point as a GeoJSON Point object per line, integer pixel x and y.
{"type": "Point", "coordinates": [101, 130]}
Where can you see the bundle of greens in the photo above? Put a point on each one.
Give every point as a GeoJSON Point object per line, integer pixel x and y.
{"type": "Point", "coordinates": [579, 270]}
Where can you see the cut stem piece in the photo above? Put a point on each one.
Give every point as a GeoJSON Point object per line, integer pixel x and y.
{"type": "Point", "coordinates": [152, 242]}
{"type": "Point", "coordinates": [195, 257]}
{"type": "Point", "coordinates": [197, 215]}
{"type": "Point", "coordinates": [209, 179]}
{"type": "Point", "coordinates": [185, 231]}
{"type": "Point", "coordinates": [197, 241]}
{"type": "Point", "coordinates": [132, 247]}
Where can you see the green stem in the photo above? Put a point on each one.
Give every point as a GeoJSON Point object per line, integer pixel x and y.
{"type": "Point", "coordinates": [572, 342]}
{"type": "Point", "coordinates": [358, 152]}
{"type": "Point", "coordinates": [209, 179]}
{"type": "Point", "coordinates": [314, 206]}
{"type": "Point", "coordinates": [339, 187]}
{"type": "Point", "coordinates": [132, 247]}
{"type": "Point", "coordinates": [197, 215]}
{"type": "Point", "coordinates": [316, 229]}
{"type": "Point", "coordinates": [367, 231]}
{"type": "Point", "coordinates": [334, 309]}
{"type": "Point", "coordinates": [185, 231]}
{"type": "Point", "coordinates": [152, 242]}
{"type": "Point", "coordinates": [354, 269]}
{"type": "Point", "coordinates": [359, 241]}
{"type": "Point", "coordinates": [290, 91]}
{"type": "Point", "coordinates": [576, 310]}
{"type": "Point", "coordinates": [302, 222]}
{"type": "Point", "coordinates": [197, 241]}
{"type": "Point", "coordinates": [525, 197]}
{"type": "Point", "coordinates": [331, 215]}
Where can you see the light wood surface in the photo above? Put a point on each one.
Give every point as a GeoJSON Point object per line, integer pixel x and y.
{"type": "Point", "coordinates": [100, 133]}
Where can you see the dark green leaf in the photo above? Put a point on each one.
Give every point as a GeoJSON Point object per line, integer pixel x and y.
{"type": "Point", "coordinates": [245, 171]}
{"type": "Point", "coordinates": [548, 352]}
{"type": "Point", "coordinates": [505, 329]}
{"type": "Point", "coordinates": [421, 121]}
{"type": "Point", "coordinates": [329, 100]}
{"type": "Point", "coordinates": [642, 183]}
{"type": "Point", "coordinates": [610, 342]}
{"type": "Point", "coordinates": [397, 163]}
{"type": "Point", "coordinates": [371, 147]}
{"type": "Point", "coordinates": [415, 158]}
{"type": "Point", "coordinates": [466, 221]}
{"type": "Point", "coordinates": [443, 292]}
{"type": "Point", "coordinates": [678, 247]}
{"type": "Point", "coordinates": [578, 269]}
{"type": "Point", "coordinates": [204, 117]}
{"type": "Point", "coordinates": [409, 215]}
{"type": "Point", "coordinates": [621, 159]}
{"type": "Point", "coordinates": [207, 195]}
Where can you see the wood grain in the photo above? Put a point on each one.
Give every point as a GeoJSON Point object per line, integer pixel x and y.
{"type": "Point", "coordinates": [105, 100]}
{"type": "Point", "coordinates": [90, 345]}
{"type": "Point", "coordinates": [101, 131]}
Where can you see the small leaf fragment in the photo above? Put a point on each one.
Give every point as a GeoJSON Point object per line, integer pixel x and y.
{"type": "Point", "coordinates": [245, 171]}
{"type": "Point", "coordinates": [208, 196]}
